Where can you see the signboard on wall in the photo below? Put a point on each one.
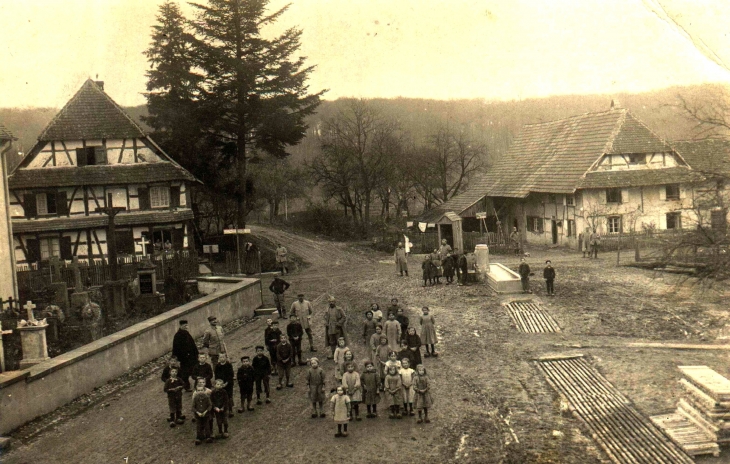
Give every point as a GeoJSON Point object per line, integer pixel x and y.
{"type": "Point", "coordinates": [207, 249]}
{"type": "Point", "coordinates": [481, 215]}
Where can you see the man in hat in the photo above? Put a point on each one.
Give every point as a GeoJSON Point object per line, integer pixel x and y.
{"type": "Point", "coordinates": [524, 271]}
{"type": "Point", "coordinates": [514, 240]}
{"type": "Point", "coordinates": [549, 275]}
{"type": "Point", "coordinates": [401, 260]}
{"type": "Point", "coordinates": [213, 340]}
{"type": "Point", "coordinates": [303, 309]}
{"type": "Point", "coordinates": [334, 325]}
{"type": "Point", "coordinates": [278, 286]}
{"type": "Point", "coordinates": [185, 350]}
{"type": "Point", "coordinates": [281, 258]}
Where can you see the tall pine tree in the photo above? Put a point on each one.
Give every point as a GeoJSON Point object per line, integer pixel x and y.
{"type": "Point", "coordinates": [256, 85]}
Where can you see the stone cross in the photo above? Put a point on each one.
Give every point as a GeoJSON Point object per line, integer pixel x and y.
{"type": "Point", "coordinates": [78, 285]}
{"type": "Point", "coordinates": [144, 243]}
{"type": "Point", "coordinates": [29, 306]}
{"type": "Point", "coordinates": [2, 352]}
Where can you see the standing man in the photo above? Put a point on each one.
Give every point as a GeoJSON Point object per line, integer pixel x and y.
{"type": "Point", "coordinates": [514, 239]}
{"type": "Point", "coordinates": [281, 259]}
{"type": "Point", "coordinates": [524, 272]}
{"type": "Point", "coordinates": [334, 320]}
{"type": "Point", "coordinates": [278, 287]}
{"type": "Point", "coordinates": [213, 340]}
{"type": "Point", "coordinates": [444, 250]}
{"type": "Point", "coordinates": [595, 242]}
{"type": "Point", "coordinates": [185, 350]}
{"type": "Point", "coordinates": [303, 309]}
{"type": "Point", "coordinates": [401, 260]}
{"type": "Point", "coordinates": [549, 275]}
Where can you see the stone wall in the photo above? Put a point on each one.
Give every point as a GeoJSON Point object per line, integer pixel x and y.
{"type": "Point", "coordinates": [30, 393]}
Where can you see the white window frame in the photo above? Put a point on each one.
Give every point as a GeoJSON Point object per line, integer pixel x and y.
{"type": "Point", "coordinates": [160, 197]}
{"type": "Point", "coordinates": [613, 223]}
{"type": "Point", "coordinates": [570, 200]}
{"type": "Point", "coordinates": [50, 246]}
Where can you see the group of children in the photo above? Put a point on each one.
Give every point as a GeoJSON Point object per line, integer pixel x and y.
{"type": "Point", "coordinates": [394, 350]}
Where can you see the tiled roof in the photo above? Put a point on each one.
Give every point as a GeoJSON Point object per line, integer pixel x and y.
{"type": "Point", "coordinates": [110, 174]}
{"type": "Point", "coordinates": [91, 114]}
{"type": "Point", "coordinates": [639, 177]}
{"type": "Point", "coordinates": [5, 134]}
{"type": "Point", "coordinates": [458, 203]}
{"type": "Point", "coordinates": [85, 222]}
{"type": "Point", "coordinates": [706, 156]}
{"type": "Point", "coordinates": [553, 156]}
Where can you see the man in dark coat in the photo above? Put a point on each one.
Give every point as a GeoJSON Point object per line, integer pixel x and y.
{"type": "Point", "coordinates": [524, 271]}
{"type": "Point", "coordinates": [278, 286]}
{"type": "Point", "coordinates": [185, 350]}
{"type": "Point", "coordinates": [462, 266]}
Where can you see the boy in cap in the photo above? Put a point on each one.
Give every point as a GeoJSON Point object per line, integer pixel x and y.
{"type": "Point", "coordinates": [278, 286]}
{"type": "Point", "coordinates": [224, 371]}
{"type": "Point", "coordinates": [549, 275]}
{"type": "Point", "coordinates": [303, 309]}
{"type": "Point", "coordinates": [261, 372]}
{"type": "Point", "coordinates": [246, 377]}
{"type": "Point", "coordinates": [524, 271]}
{"type": "Point", "coordinates": [335, 325]}
{"type": "Point", "coordinates": [295, 332]}
{"type": "Point", "coordinates": [272, 336]}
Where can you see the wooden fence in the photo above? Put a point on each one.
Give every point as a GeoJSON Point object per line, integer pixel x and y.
{"type": "Point", "coordinates": [180, 265]}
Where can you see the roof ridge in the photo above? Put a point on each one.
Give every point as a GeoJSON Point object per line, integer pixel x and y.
{"type": "Point", "coordinates": [577, 116]}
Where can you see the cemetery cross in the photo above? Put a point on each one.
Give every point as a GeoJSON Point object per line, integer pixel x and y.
{"type": "Point", "coordinates": [111, 242]}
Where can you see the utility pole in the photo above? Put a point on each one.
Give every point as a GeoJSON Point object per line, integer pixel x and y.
{"type": "Point", "coordinates": [111, 239]}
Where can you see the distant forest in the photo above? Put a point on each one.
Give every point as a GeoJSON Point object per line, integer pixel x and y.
{"type": "Point", "coordinates": [494, 123]}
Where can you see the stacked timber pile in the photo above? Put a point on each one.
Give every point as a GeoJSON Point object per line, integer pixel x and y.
{"type": "Point", "coordinates": [702, 420]}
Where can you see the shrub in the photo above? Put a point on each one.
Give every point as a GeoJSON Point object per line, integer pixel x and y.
{"type": "Point", "coordinates": [321, 220]}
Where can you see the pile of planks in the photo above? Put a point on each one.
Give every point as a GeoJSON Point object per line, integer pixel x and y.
{"type": "Point", "coordinates": [702, 420]}
{"type": "Point", "coordinates": [624, 434]}
{"type": "Point", "coordinates": [530, 317]}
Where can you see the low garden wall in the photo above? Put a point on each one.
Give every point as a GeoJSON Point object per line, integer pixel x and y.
{"type": "Point", "coordinates": [30, 393]}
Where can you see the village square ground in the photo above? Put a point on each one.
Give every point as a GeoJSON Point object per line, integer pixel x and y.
{"type": "Point", "coordinates": [491, 404]}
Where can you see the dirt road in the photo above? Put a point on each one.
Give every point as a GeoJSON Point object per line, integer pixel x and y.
{"type": "Point", "coordinates": [491, 405]}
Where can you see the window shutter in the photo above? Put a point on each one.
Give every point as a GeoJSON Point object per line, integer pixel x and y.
{"type": "Point", "coordinates": [663, 192]}
{"type": "Point", "coordinates": [34, 250]}
{"type": "Point", "coordinates": [662, 222]}
{"type": "Point", "coordinates": [81, 157]}
{"type": "Point", "coordinates": [682, 192]}
{"type": "Point", "coordinates": [143, 195]}
{"type": "Point", "coordinates": [61, 204]}
{"type": "Point", "coordinates": [65, 248]}
{"type": "Point", "coordinates": [621, 221]}
{"type": "Point", "coordinates": [624, 195]}
{"type": "Point", "coordinates": [100, 155]}
{"type": "Point", "coordinates": [602, 196]}
{"type": "Point", "coordinates": [175, 196]}
{"type": "Point", "coordinates": [29, 205]}
{"type": "Point", "coordinates": [178, 236]}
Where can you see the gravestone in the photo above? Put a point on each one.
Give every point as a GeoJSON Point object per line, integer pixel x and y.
{"type": "Point", "coordinates": [115, 298]}
{"type": "Point", "coordinates": [33, 339]}
{"type": "Point", "coordinates": [58, 294]}
{"type": "Point", "coordinates": [55, 317]}
{"type": "Point", "coordinates": [149, 300]}
{"type": "Point", "coordinates": [55, 264]}
{"type": "Point", "coordinates": [78, 284]}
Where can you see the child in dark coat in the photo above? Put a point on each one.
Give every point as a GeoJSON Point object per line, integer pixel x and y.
{"type": "Point", "coordinates": [202, 407]}
{"type": "Point", "coordinates": [295, 332]}
{"type": "Point", "coordinates": [246, 377]}
{"type": "Point", "coordinates": [549, 275]}
{"type": "Point", "coordinates": [224, 371]}
{"type": "Point", "coordinates": [406, 353]}
{"type": "Point", "coordinates": [262, 371]}
{"type": "Point", "coordinates": [413, 341]}
{"type": "Point", "coordinates": [403, 320]}
{"type": "Point", "coordinates": [173, 363]}
{"type": "Point", "coordinates": [219, 399]}
{"type": "Point", "coordinates": [272, 336]}
{"type": "Point", "coordinates": [370, 382]}
{"type": "Point", "coordinates": [284, 360]}
{"type": "Point", "coordinates": [173, 387]}
{"type": "Point", "coordinates": [315, 382]}
{"type": "Point", "coordinates": [203, 370]}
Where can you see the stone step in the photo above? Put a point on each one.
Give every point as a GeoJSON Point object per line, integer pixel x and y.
{"type": "Point", "coordinates": [266, 312]}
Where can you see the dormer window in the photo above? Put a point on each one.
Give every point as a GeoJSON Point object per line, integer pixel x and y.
{"type": "Point", "coordinates": [637, 159]}
{"type": "Point", "coordinates": [90, 156]}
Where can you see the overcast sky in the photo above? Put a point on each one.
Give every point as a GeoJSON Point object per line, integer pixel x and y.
{"type": "Point", "coordinates": [490, 49]}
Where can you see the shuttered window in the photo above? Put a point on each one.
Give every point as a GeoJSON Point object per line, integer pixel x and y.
{"type": "Point", "coordinates": [50, 247]}
{"type": "Point", "coordinates": [29, 205]}
{"type": "Point", "coordinates": [143, 196]}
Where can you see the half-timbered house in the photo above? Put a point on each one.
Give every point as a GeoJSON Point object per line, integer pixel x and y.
{"type": "Point", "coordinates": [93, 152]}
{"type": "Point", "coordinates": [8, 278]}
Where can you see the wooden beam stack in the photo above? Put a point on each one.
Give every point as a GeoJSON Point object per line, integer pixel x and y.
{"type": "Point", "coordinates": [702, 420]}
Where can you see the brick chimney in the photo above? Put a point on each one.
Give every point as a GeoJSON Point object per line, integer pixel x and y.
{"type": "Point", "coordinates": [99, 84]}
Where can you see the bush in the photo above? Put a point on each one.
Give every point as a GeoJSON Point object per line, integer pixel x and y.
{"type": "Point", "coordinates": [321, 220]}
